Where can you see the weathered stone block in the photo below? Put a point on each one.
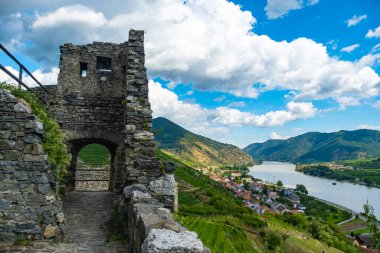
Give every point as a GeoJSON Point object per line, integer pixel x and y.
{"type": "Point", "coordinates": [7, 144]}
{"type": "Point", "coordinates": [34, 149]}
{"type": "Point", "coordinates": [127, 191]}
{"type": "Point", "coordinates": [9, 186]}
{"type": "Point", "coordinates": [167, 241]}
{"type": "Point", "coordinates": [12, 155]}
{"type": "Point", "coordinates": [140, 197]}
{"type": "Point", "coordinates": [33, 158]}
{"type": "Point", "coordinates": [59, 217]}
{"type": "Point", "coordinates": [31, 138]}
{"type": "Point", "coordinates": [40, 179]}
{"type": "Point", "coordinates": [21, 175]}
{"type": "Point", "coordinates": [44, 188]}
{"type": "Point", "coordinates": [144, 136]}
{"type": "Point", "coordinates": [50, 231]}
{"type": "Point", "coordinates": [48, 216]}
{"type": "Point", "coordinates": [22, 107]}
{"type": "Point", "coordinates": [130, 128]}
{"type": "Point", "coordinates": [165, 185]}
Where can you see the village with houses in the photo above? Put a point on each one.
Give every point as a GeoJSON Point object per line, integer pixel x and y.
{"type": "Point", "coordinates": [273, 197]}
{"type": "Point", "coordinates": [263, 197]}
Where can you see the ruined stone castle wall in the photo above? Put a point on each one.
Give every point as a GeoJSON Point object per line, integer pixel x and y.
{"type": "Point", "coordinates": [29, 207]}
{"type": "Point", "coordinates": [101, 97]}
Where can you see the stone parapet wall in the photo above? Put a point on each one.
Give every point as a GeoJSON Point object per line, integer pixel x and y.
{"type": "Point", "coordinates": [29, 206]}
{"type": "Point", "coordinates": [151, 228]}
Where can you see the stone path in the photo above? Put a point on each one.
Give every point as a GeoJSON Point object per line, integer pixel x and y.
{"type": "Point", "coordinates": [88, 216]}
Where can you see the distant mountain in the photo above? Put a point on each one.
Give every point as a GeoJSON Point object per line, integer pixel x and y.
{"type": "Point", "coordinates": [195, 148]}
{"type": "Point", "coordinates": [319, 147]}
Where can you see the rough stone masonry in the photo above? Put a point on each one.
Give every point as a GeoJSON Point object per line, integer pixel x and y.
{"type": "Point", "coordinates": [28, 203]}
{"type": "Point", "coordinates": [101, 97]}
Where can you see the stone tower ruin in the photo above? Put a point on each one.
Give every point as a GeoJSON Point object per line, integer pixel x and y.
{"type": "Point", "coordinates": [102, 97]}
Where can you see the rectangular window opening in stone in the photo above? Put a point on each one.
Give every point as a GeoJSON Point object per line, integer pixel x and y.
{"type": "Point", "coordinates": [83, 69]}
{"type": "Point", "coordinates": [103, 63]}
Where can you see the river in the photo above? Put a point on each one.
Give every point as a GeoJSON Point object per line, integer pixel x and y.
{"type": "Point", "coordinates": [343, 193]}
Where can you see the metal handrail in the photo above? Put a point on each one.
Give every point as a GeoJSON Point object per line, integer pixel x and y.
{"type": "Point", "coordinates": [19, 78]}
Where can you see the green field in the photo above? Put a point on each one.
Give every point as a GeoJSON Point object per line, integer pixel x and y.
{"type": "Point", "coordinates": [94, 155]}
{"type": "Point", "coordinates": [324, 211]}
{"type": "Point", "coordinates": [213, 232]}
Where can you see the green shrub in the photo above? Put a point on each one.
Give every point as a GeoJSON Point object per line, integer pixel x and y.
{"type": "Point", "coordinates": [272, 240]}
{"type": "Point", "coordinates": [53, 141]}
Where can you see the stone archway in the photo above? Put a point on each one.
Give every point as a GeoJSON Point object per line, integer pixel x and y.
{"type": "Point", "coordinates": [76, 145]}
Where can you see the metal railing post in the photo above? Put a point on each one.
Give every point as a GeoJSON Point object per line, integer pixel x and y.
{"type": "Point", "coordinates": [20, 77]}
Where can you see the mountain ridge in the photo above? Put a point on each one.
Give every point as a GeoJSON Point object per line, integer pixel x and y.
{"type": "Point", "coordinates": [200, 150]}
{"type": "Point", "coordinates": [319, 147]}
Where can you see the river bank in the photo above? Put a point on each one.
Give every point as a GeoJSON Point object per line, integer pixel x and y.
{"type": "Point", "coordinates": [342, 173]}
{"type": "Point", "coordinates": [345, 194]}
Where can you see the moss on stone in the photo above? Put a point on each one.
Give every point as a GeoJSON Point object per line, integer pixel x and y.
{"type": "Point", "coordinates": [53, 141]}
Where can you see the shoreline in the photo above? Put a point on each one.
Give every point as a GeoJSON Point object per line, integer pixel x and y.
{"type": "Point", "coordinates": [340, 180]}
{"type": "Point", "coordinates": [286, 170]}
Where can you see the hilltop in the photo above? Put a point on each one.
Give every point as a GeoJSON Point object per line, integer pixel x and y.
{"type": "Point", "coordinates": [319, 147]}
{"type": "Point", "coordinates": [196, 149]}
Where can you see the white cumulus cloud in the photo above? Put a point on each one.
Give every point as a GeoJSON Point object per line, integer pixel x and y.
{"type": "Point", "coordinates": [347, 101]}
{"type": "Point", "coordinates": [165, 103]}
{"type": "Point", "coordinates": [355, 20]}
{"type": "Point", "coordinates": [349, 49]}
{"type": "Point", "coordinates": [277, 8]}
{"type": "Point", "coordinates": [276, 136]}
{"type": "Point", "coordinates": [373, 33]}
{"type": "Point", "coordinates": [196, 42]}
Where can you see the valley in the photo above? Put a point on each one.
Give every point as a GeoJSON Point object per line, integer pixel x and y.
{"type": "Point", "coordinates": [237, 207]}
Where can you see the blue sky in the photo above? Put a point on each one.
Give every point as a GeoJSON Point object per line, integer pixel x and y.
{"type": "Point", "coordinates": [239, 72]}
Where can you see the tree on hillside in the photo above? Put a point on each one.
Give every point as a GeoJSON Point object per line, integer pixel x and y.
{"type": "Point", "coordinates": [279, 183]}
{"type": "Point", "coordinates": [301, 189]}
{"type": "Point", "coordinates": [372, 225]}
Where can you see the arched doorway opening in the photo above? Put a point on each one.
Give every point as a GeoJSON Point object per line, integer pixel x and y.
{"type": "Point", "coordinates": [93, 165]}
{"type": "Point", "coordinates": [93, 168]}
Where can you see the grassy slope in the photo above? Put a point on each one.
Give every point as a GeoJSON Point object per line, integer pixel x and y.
{"type": "Point", "coordinates": [196, 192]}
{"type": "Point", "coordinates": [319, 147]}
{"type": "Point", "coordinates": [198, 150]}
{"type": "Point", "coordinates": [220, 227]}
{"type": "Point", "coordinates": [94, 155]}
